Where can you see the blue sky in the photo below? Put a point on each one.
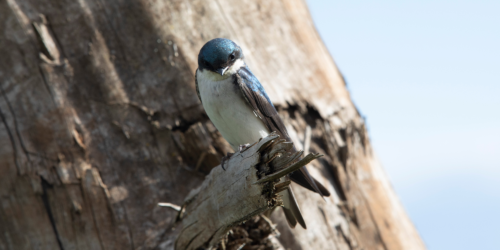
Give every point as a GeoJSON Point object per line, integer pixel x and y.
{"type": "Point", "coordinates": [426, 75]}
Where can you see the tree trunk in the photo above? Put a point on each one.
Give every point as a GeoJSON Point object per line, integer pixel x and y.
{"type": "Point", "coordinates": [99, 122]}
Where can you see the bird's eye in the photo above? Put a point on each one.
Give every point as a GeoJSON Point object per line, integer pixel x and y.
{"type": "Point", "coordinates": [232, 57]}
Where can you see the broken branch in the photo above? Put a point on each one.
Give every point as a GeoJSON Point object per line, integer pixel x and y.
{"type": "Point", "coordinates": [229, 197]}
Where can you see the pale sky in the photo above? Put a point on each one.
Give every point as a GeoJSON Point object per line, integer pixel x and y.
{"type": "Point", "coordinates": [426, 75]}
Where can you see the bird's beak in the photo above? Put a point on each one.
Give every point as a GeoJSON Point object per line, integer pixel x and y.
{"type": "Point", "coordinates": [221, 71]}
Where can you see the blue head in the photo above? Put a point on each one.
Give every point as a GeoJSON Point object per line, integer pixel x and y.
{"type": "Point", "coordinates": [218, 55]}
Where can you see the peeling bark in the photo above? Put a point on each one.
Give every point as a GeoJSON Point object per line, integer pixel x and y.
{"type": "Point", "coordinates": [249, 185]}
{"type": "Point", "coordinates": [100, 122]}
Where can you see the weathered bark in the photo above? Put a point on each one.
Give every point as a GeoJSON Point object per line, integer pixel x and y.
{"type": "Point", "coordinates": [99, 121]}
{"type": "Point", "coordinates": [249, 184]}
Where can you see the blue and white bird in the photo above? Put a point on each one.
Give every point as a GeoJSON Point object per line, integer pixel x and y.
{"type": "Point", "coordinates": [239, 107]}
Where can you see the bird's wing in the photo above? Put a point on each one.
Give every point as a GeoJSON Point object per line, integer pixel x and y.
{"type": "Point", "coordinates": [262, 106]}
{"type": "Point", "coordinates": [257, 98]}
{"type": "Point", "coordinates": [196, 83]}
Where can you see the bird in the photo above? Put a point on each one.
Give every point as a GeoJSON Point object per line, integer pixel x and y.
{"type": "Point", "coordinates": [239, 107]}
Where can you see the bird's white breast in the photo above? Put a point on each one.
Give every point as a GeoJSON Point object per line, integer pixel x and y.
{"type": "Point", "coordinates": [228, 110]}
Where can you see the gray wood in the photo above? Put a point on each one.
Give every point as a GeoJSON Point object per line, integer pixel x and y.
{"type": "Point", "coordinates": [227, 197]}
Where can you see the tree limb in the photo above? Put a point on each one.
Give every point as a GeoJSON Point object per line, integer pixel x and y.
{"type": "Point", "coordinates": [228, 197]}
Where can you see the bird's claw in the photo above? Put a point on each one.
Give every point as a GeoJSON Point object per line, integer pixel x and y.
{"type": "Point", "coordinates": [224, 159]}
{"type": "Point", "coordinates": [241, 148]}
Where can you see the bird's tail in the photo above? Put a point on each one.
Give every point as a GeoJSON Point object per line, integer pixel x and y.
{"type": "Point", "coordinates": [303, 178]}
{"type": "Point", "coordinates": [291, 209]}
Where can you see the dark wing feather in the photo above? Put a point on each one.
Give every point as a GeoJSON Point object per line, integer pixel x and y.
{"type": "Point", "coordinates": [257, 98]}
{"type": "Point", "coordinates": [262, 107]}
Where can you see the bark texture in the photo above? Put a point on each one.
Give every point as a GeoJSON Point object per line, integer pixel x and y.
{"type": "Point", "coordinates": [248, 185]}
{"type": "Point", "coordinates": [99, 121]}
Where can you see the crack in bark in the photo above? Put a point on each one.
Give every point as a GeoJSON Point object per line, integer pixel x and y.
{"type": "Point", "coordinates": [184, 229]}
{"type": "Point", "coordinates": [330, 228]}
{"type": "Point", "coordinates": [226, 19]}
{"type": "Point", "coordinates": [372, 218]}
{"type": "Point", "coordinates": [42, 156]}
{"type": "Point", "coordinates": [15, 124]}
{"type": "Point", "coordinates": [11, 137]}
{"type": "Point", "coordinates": [211, 237]}
{"type": "Point", "coordinates": [46, 204]}
{"type": "Point", "coordinates": [47, 53]}
{"type": "Point", "coordinates": [62, 55]}
{"type": "Point", "coordinates": [129, 228]}
{"type": "Point", "coordinates": [110, 25]}
{"type": "Point", "coordinates": [97, 228]}
{"type": "Point", "coordinates": [194, 237]}
{"type": "Point", "coordinates": [16, 127]}
{"type": "Point", "coordinates": [344, 236]}
{"type": "Point", "coordinates": [58, 43]}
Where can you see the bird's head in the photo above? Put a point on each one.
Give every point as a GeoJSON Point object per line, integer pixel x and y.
{"type": "Point", "coordinates": [221, 56]}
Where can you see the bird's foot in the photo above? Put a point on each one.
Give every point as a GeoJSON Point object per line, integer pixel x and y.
{"type": "Point", "coordinates": [224, 159]}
